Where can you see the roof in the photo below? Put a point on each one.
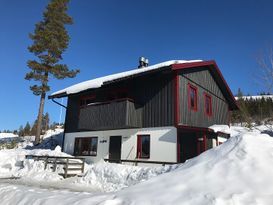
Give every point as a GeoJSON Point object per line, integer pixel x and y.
{"type": "Point", "coordinates": [175, 65]}
{"type": "Point", "coordinates": [98, 82]}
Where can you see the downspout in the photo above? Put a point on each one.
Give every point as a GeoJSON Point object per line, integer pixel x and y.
{"type": "Point", "coordinates": [64, 123]}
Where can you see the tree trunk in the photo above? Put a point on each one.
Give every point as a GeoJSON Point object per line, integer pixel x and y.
{"type": "Point", "coordinates": [40, 118]}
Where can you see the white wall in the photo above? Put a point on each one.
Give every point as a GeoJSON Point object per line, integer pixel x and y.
{"type": "Point", "coordinates": [162, 148]}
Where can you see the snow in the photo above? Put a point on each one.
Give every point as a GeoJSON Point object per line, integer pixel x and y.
{"type": "Point", "coordinates": [98, 82]}
{"type": "Point", "coordinates": [7, 135]}
{"type": "Point", "coordinates": [256, 97]}
{"type": "Point", "coordinates": [240, 171]}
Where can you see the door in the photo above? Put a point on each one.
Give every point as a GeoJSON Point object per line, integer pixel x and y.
{"type": "Point", "coordinates": [187, 145]}
{"type": "Point", "coordinates": [115, 149]}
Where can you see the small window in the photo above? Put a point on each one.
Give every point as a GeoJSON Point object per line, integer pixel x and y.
{"type": "Point", "coordinates": [143, 146]}
{"type": "Point", "coordinates": [84, 101]}
{"type": "Point", "coordinates": [192, 97]}
{"type": "Point", "coordinates": [86, 146]}
{"type": "Point", "coordinates": [208, 105]}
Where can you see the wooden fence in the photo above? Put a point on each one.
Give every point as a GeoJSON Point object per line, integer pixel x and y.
{"type": "Point", "coordinates": [69, 163]}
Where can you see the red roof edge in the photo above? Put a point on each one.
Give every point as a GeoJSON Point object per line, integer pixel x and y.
{"type": "Point", "coordinates": [211, 64]}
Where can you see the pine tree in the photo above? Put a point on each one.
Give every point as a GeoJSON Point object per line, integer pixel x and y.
{"type": "Point", "coordinates": [50, 40]}
{"type": "Point", "coordinates": [21, 131]}
{"type": "Point", "coordinates": [27, 129]}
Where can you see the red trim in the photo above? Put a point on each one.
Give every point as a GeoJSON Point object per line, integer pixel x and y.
{"type": "Point", "coordinates": [139, 146]}
{"type": "Point", "coordinates": [176, 100]}
{"type": "Point", "coordinates": [189, 128]}
{"type": "Point", "coordinates": [209, 114]}
{"type": "Point", "coordinates": [194, 89]}
{"type": "Point", "coordinates": [211, 64]}
{"type": "Point", "coordinates": [178, 147]}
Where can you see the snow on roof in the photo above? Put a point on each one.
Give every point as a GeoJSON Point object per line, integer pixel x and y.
{"type": "Point", "coordinates": [98, 82]}
{"type": "Point", "coordinates": [256, 97]}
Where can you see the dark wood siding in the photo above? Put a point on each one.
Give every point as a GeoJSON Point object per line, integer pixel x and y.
{"type": "Point", "coordinates": [112, 115]}
{"type": "Point", "coordinates": [72, 114]}
{"type": "Point", "coordinates": [153, 94]}
{"type": "Point", "coordinates": [156, 96]}
{"type": "Point", "coordinates": [203, 80]}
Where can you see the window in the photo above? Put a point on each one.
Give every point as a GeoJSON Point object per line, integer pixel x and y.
{"type": "Point", "coordinates": [208, 105]}
{"type": "Point", "coordinates": [192, 97]}
{"type": "Point", "coordinates": [143, 146]}
{"type": "Point", "coordinates": [86, 146]}
{"type": "Point", "coordinates": [84, 101]}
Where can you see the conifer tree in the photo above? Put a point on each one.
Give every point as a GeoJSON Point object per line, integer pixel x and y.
{"type": "Point", "coordinates": [50, 40]}
{"type": "Point", "coordinates": [27, 129]}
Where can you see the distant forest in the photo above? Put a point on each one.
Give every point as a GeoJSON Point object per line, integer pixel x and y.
{"type": "Point", "coordinates": [253, 109]}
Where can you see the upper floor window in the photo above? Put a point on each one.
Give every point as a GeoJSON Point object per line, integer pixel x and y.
{"type": "Point", "coordinates": [192, 97]}
{"type": "Point", "coordinates": [143, 146]}
{"type": "Point", "coordinates": [86, 146]}
{"type": "Point", "coordinates": [84, 101]}
{"type": "Point", "coordinates": [208, 105]}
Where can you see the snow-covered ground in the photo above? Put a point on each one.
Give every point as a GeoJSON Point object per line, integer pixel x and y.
{"type": "Point", "coordinates": [240, 171]}
{"type": "Point", "coordinates": [7, 135]}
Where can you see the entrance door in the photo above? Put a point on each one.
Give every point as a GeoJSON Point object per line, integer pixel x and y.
{"type": "Point", "coordinates": [115, 149]}
{"type": "Point", "coordinates": [187, 145]}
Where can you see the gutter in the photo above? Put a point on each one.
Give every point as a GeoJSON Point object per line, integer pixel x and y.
{"type": "Point", "coordinates": [53, 100]}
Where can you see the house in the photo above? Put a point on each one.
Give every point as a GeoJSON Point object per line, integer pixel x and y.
{"type": "Point", "coordinates": [159, 114]}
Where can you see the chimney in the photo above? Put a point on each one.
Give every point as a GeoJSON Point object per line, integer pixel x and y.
{"type": "Point", "coordinates": [143, 62]}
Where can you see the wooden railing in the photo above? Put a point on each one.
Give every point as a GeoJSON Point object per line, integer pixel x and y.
{"type": "Point", "coordinates": [77, 163]}
{"type": "Point", "coordinates": [139, 161]}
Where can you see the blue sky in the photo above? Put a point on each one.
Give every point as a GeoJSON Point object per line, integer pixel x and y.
{"type": "Point", "coordinates": [108, 36]}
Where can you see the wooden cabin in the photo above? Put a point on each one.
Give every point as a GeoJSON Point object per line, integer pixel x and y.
{"type": "Point", "coordinates": [159, 114]}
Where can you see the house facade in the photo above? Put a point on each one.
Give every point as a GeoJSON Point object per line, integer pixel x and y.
{"type": "Point", "coordinates": [160, 113]}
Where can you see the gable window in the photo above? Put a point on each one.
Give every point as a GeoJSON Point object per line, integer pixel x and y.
{"type": "Point", "coordinates": [192, 97]}
{"type": "Point", "coordinates": [86, 146]}
{"type": "Point", "coordinates": [143, 146]}
{"type": "Point", "coordinates": [208, 105]}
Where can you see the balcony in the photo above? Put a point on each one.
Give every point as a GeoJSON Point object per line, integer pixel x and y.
{"type": "Point", "coordinates": [117, 114]}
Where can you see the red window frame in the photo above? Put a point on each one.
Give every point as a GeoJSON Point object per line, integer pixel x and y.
{"type": "Point", "coordinates": [208, 104]}
{"type": "Point", "coordinates": [192, 93]}
{"type": "Point", "coordinates": [81, 142]}
{"type": "Point", "coordinates": [140, 147]}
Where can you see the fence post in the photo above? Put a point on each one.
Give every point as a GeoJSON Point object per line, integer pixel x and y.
{"type": "Point", "coordinates": [46, 161]}
{"type": "Point", "coordinates": [83, 161]}
{"type": "Point", "coordinates": [65, 172]}
{"type": "Point", "coordinates": [55, 164]}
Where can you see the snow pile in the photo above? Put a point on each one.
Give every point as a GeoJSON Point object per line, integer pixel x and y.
{"type": "Point", "coordinates": [109, 177]}
{"type": "Point", "coordinates": [240, 171]}
{"type": "Point", "coordinates": [7, 135]}
{"type": "Point", "coordinates": [98, 82]}
{"type": "Point", "coordinates": [13, 160]}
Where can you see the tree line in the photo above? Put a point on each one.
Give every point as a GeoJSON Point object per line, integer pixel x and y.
{"type": "Point", "coordinates": [253, 110]}
{"type": "Point", "coordinates": [30, 130]}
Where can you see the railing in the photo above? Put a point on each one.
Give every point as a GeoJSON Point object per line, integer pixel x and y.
{"type": "Point", "coordinates": [140, 161]}
{"type": "Point", "coordinates": [67, 162]}
{"type": "Point", "coordinates": [117, 114]}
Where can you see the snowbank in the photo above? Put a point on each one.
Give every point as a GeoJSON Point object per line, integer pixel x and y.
{"type": "Point", "coordinates": [7, 135]}
{"type": "Point", "coordinates": [109, 177]}
{"type": "Point", "coordinates": [13, 160]}
{"type": "Point", "coordinates": [240, 171]}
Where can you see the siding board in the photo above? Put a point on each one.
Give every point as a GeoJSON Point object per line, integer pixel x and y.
{"type": "Point", "coordinates": [205, 83]}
